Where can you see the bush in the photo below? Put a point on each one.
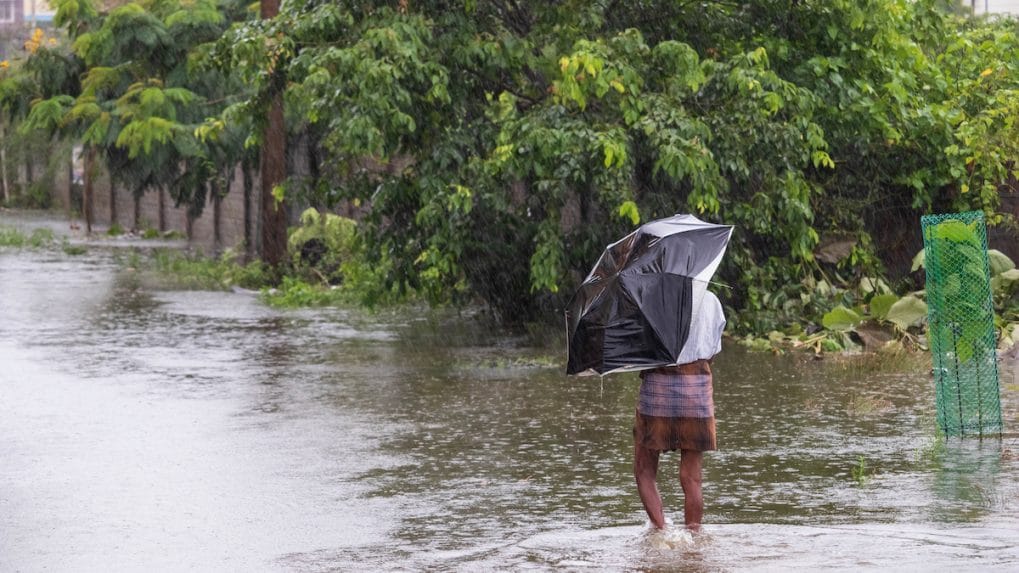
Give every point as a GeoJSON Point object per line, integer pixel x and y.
{"type": "Point", "coordinates": [320, 245]}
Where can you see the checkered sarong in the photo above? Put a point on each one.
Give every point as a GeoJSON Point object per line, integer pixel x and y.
{"type": "Point", "coordinates": [682, 391]}
{"type": "Point", "coordinates": [676, 410]}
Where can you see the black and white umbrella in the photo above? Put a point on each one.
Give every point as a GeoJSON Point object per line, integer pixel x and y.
{"type": "Point", "coordinates": [635, 308]}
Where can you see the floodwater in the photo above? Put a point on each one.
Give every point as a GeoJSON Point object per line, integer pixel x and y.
{"type": "Point", "coordinates": [161, 430]}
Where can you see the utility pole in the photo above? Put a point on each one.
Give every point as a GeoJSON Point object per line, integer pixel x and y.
{"type": "Point", "coordinates": [274, 166]}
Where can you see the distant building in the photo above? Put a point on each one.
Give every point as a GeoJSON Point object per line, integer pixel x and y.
{"type": "Point", "coordinates": [981, 7]}
{"type": "Point", "coordinates": [16, 14]}
{"type": "Point", "coordinates": [37, 13]}
{"type": "Point", "coordinates": [18, 19]}
{"type": "Point", "coordinates": [11, 13]}
{"type": "Point", "coordinates": [11, 27]}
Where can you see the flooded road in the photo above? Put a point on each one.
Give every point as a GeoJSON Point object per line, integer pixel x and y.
{"type": "Point", "coordinates": [159, 430]}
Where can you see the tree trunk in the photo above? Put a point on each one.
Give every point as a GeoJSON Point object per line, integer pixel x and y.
{"type": "Point", "coordinates": [162, 210]}
{"type": "Point", "coordinates": [274, 220]}
{"type": "Point", "coordinates": [217, 204]}
{"type": "Point", "coordinates": [70, 185]}
{"type": "Point", "coordinates": [3, 161]}
{"type": "Point", "coordinates": [249, 234]}
{"type": "Point", "coordinates": [113, 203]}
{"type": "Point", "coordinates": [88, 190]}
{"type": "Point", "coordinates": [137, 212]}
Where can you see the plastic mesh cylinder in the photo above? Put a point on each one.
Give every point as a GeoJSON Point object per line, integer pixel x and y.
{"type": "Point", "coordinates": [960, 314]}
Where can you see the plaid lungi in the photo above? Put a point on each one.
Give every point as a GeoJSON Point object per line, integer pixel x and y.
{"type": "Point", "coordinates": [676, 409]}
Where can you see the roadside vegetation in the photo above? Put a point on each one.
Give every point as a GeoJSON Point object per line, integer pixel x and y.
{"type": "Point", "coordinates": [490, 150]}
{"type": "Point", "coordinates": [325, 266]}
{"type": "Point", "coordinates": [10, 237]}
{"type": "Point", "coordinates": [37, 239]}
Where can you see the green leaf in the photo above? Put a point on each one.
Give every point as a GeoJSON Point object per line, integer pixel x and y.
{"type": "Point", "coordinates": [881, 304]}
{"type": "Point", "coordinates": [1010, 275]}
{"type": "Point", "coordinates": [999, 262]}
{"type": "Point", "coordinates": [1002, 282]}
{"type": "Point", "coordinates": [919, 260]}
{"type": "Point", "coordinates": [822, 159]}
{"type": "Point", "coordinates": [841, 318]}
{"type": "Point", "coordinates": [907, 311]}
{"type": "Point", "coordinates": [955, 231]}
{"type": "Point", "coordinates": [629, 210]}
{"type": "Point", "coordinates": [874, 285]}
{"type": "Point", "coordinates": [139, 136]}
{"type": "Point", "coordinates": [964, 349]}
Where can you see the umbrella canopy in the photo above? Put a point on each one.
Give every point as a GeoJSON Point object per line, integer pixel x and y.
{"type": "Point", "coordinates": [635, 308]}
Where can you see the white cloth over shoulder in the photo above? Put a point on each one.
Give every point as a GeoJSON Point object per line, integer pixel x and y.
{"type": "Point", "coordinates": [707, 321]}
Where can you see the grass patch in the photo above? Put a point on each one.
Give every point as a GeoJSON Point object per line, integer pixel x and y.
{"type": "Point", "coordinates": [10, 237]}
{"type": "Point", "coordinates": [180, 270]}
{"type": "Point", "coordinates": [295, 293]}
{"type": "Point", "coordinates": [170, 268]}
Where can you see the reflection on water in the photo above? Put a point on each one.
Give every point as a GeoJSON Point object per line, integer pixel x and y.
{"type": "Point", "coordinates": [146, 428]}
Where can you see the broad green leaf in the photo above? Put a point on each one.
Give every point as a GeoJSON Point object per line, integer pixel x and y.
{"type": "Point", "coordinates": [999, 262]}
{"type": "Point", "coordinates": [907, 311]}
{"type": "Point", "coordinates": [881, 304]}
{"type": "Point", "coordinates": [841, 318]}
{"type": "Point", "coordinates": [955, 231]}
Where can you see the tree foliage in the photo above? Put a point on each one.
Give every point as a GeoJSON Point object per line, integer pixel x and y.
{"type": "Point", "coordinates": [493, 147]}
{"type": "Point", "coordinates": [499, 145]}
{"type": "Point", "coordinates": [124, 88]}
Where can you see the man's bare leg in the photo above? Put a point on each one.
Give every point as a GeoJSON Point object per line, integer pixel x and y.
{"type": "Point", "coordinates": [645, 470]}
{"type": "Point", "coordinates": [690, 463]}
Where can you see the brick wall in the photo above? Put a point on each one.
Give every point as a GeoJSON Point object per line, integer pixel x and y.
{"type": "Point", "coordinates": [202, 232]}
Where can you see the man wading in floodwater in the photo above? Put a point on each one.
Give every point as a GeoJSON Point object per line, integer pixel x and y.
{"type": "Point", "coordinates": [676, 411]}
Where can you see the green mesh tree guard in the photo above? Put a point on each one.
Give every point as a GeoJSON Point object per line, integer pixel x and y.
{"type": "Point", "coordinates": [960, 330]}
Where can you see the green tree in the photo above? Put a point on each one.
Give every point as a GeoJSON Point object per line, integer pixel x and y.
{"type": "Point", "coordinates": [139, 102]}
{"type": "Point", "coordinates": [493, 148]}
